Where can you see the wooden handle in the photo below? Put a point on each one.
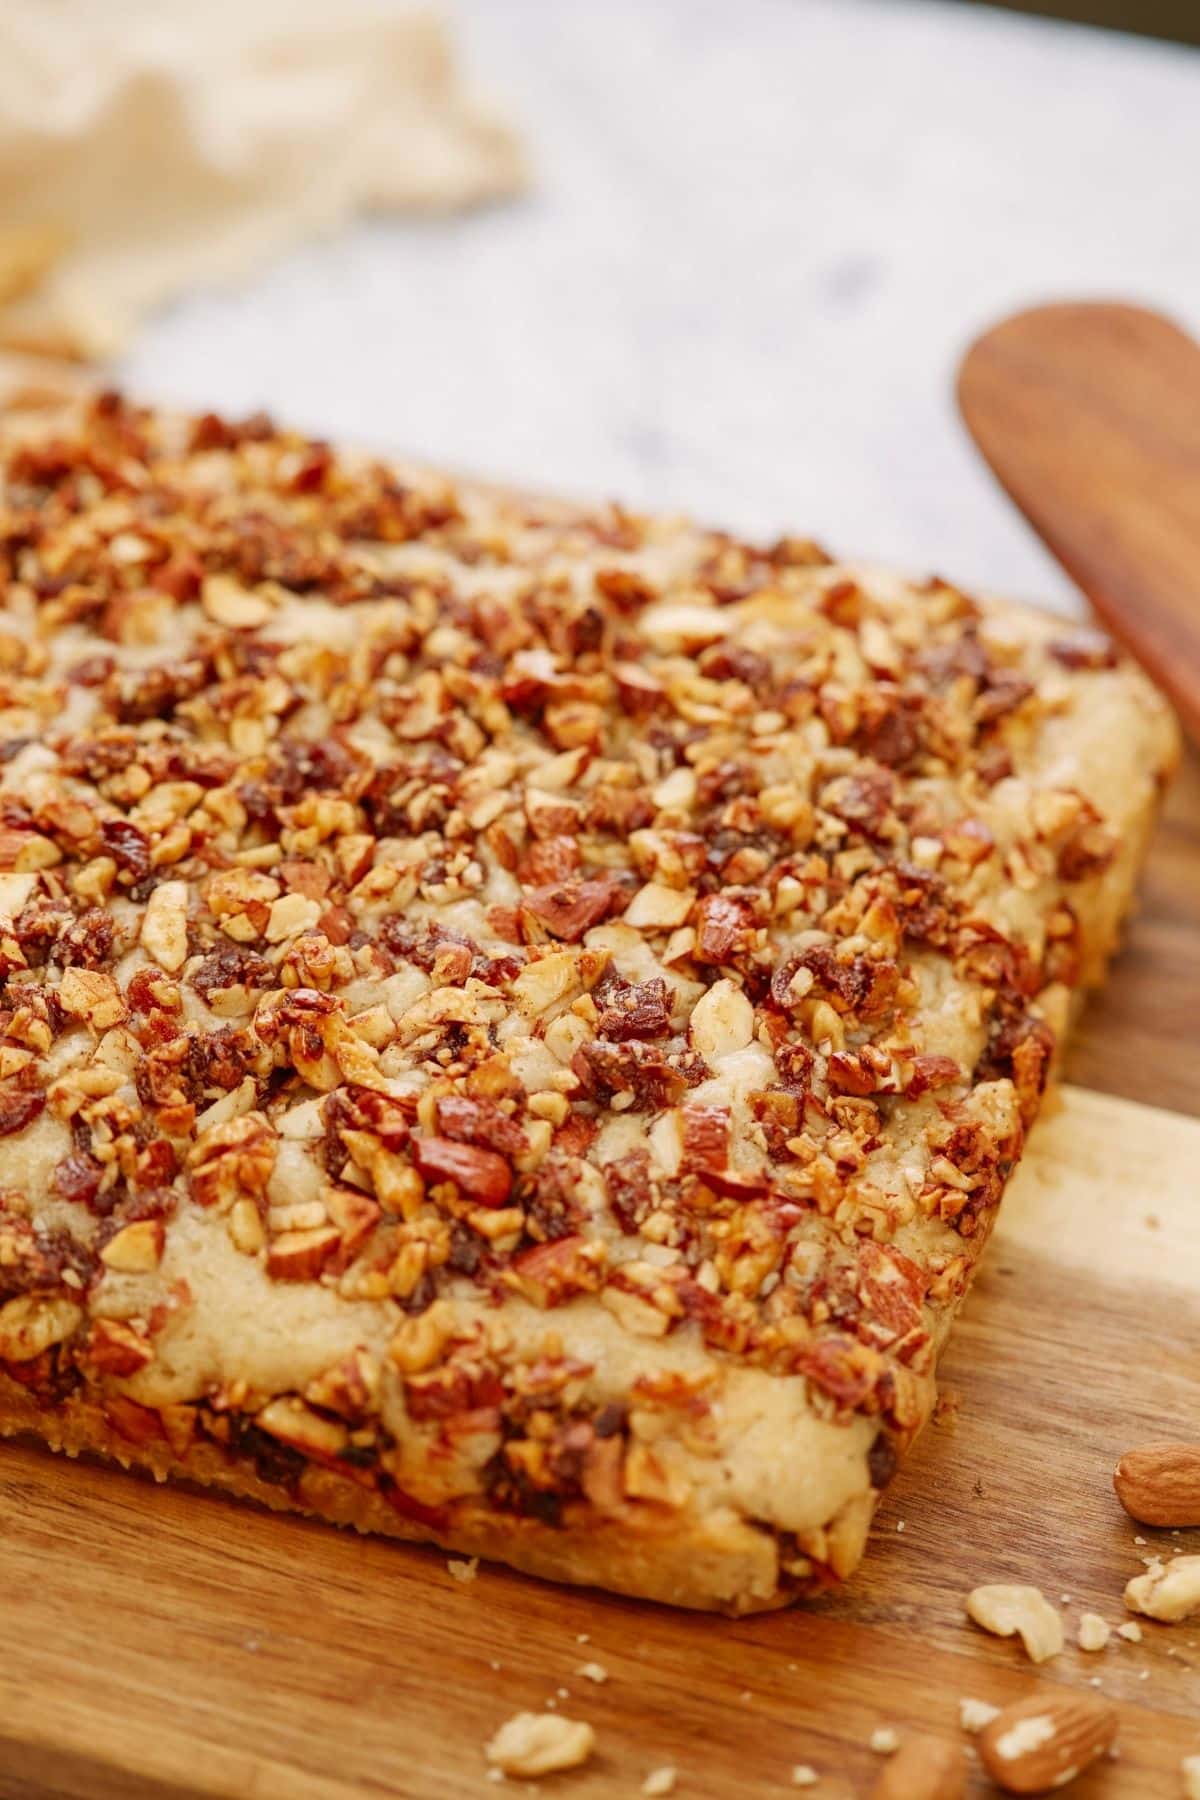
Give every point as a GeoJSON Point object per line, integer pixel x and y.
{"type": "Point", "coordinates": [1089, 414]}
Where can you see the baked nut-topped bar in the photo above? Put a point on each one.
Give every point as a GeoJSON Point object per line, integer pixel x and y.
{"type": "Point", "coordinates": [517, 1019]}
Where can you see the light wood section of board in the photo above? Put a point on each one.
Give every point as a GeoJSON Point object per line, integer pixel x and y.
{"type": "Point", "coordinates": [1112, 1188]}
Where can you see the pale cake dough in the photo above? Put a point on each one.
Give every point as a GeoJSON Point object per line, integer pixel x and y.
{"type": "Point", "coordinates": [518, 1019]}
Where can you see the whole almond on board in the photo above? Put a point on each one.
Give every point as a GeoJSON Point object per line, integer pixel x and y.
{"type": "Point", "coordinates": [924, 1768]}
{"type": "Point", "coordinates": [1160, 1484]}
{"type": "Point", "coordinates": [1044, 1741]}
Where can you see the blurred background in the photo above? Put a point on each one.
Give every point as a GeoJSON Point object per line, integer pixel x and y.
{"type": "Point", "coordinates": [727, 256]}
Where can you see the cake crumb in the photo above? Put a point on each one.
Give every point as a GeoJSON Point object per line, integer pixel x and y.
{"type": "Point", "coordinates": [660, 1781]}
{"type": "Point", "coordinates": [973, 1715]}
{"type": "Point", "coordinates": [540, 1744]}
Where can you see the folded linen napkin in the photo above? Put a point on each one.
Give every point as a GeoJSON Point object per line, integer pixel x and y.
{"type": "Point", "coordinates": [149, 146]}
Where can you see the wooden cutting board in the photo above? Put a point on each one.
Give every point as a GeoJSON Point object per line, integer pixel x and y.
{"type": "Point", "coordinates": [158, 1642]}
{"type": "Point", "coordinates": [155, 1642]}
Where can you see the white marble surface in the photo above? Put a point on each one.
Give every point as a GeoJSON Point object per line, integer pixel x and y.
{"type": "Point", "coordinates": [761, 232]}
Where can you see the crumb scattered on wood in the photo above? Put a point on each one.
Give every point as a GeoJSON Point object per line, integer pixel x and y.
{"type": "Point", "coordinates": [973, 1715]}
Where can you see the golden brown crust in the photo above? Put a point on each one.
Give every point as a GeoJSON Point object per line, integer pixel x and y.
{"type": "Point", "coordinates": [517, 1019]}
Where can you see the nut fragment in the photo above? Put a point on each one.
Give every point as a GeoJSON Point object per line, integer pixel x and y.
{"type": "Point", "coordinates": [1189, 1768]}
{"type": "Point", "coordinates": [924, 1768]}
{"type": "Point", "coordinates": [1045, 1740]}
{"type": "Point", "coordinates": [1167, 1591]}
{"type": "Point", "coordinates": [228, 603]}
{"type": "Point", "coordinates": [1159, 1484]}
{"type": "Point", "coordinates": [540, 1744]}
{"type": "Point", "coordinates": [1009, 1610]}
{"type": "Point", "coordinates": [34, 1322]}
{"type": "Point", "coordinates": [973, 1715]}
{"type": "Point", "coordinates": [301, 1255]}
{"type": "Point", "coordinates": [164, 926]}
{"type": "Point", "coordinates": [136, 1248]}
{"type": "Point", "coordinates": [93, 996]}
{"type": "Point", "coordinates": [659, 1781]}
{"type": "Point", "coordinates": [1094, 1632]}
{"type": "Point", "coordinates": [722, 1021]}
{"type": "Point", "coordinates": [656, 907]}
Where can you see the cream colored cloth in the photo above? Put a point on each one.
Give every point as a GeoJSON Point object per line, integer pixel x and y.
{"type": "Point", "coordinates": [150, 146]}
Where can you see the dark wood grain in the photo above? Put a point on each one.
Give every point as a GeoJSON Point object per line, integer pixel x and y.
{"type": "Point", "coordinates": [1089, 414]}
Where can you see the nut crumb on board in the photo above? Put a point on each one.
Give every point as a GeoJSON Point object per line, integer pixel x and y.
{"type": "Point", "coordinates": [946, 1407]}
{"type": "Point", "coordinates": [973, 1715]}
{"type": "Point", "coordinates": [804, 1776]}
{"type": "Point", "coordinates": [1094, 1632]}
{"type": "Point", "coordinates": [885, 1740]}
{"type": "Point", "coordinates": [1008, 1609]}
{"type": "Point", "coordinates": [593, 1671]}
{"type": "Point", "coordinates": [1131, 1631]}
{"type": "Point", "coordinates": [660, 1781]}
{"type": "Point", "coordinates": [540, 1744]}
{"type": "Point", "coordinates": [1189, 1768]}
{"type": "Point", "coordinates": [1169, 1591]}
{"type": "Point", "coordinates": [463, 1571]}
